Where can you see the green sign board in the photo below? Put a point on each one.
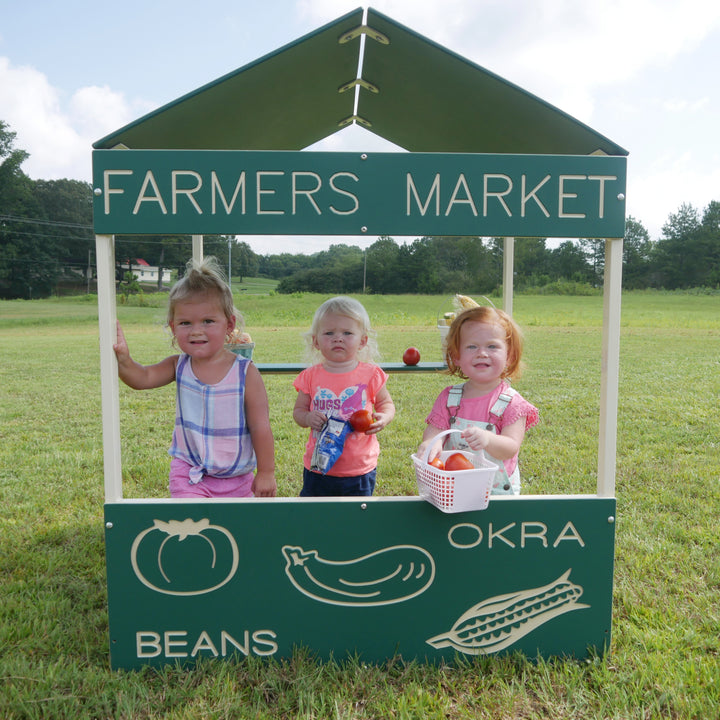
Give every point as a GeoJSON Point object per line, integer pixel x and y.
{"type": "Point", "coordinates": [373, 576]}
{"type": "Point", "coordinates": [408, 194]}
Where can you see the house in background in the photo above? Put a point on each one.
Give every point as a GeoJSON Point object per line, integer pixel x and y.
{"type": "Point", "coordinates": [146, 273]}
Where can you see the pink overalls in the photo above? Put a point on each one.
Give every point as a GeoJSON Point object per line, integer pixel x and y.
{"type": "Point", "coordinates": [502, 484]}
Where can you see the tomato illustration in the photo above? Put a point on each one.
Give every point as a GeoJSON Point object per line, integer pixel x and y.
{"type": "Point", "coordinates": [411, 356]}
{"type": "Point", "coordinates": [184, 557]}
{"type": "Point", "coordinates": [457, 461]}
{"type": "Point", "coordinates": [361, 420]}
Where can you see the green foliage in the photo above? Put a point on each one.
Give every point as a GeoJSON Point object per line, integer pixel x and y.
{"type": "Point", "coordinates": [664, 661]}
{"type": "Point", "coordinates": [564, 287]}
{"type": "Point", "coordinates": [45, 226]}
{"type": "Point", "coordinates": [688, 254]}
{"type": "Point", "coordinates": [129, 286]}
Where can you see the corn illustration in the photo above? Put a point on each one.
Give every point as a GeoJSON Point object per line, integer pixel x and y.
{"type": "Point", "coordinates": [500, 621]}
{"type": "Point", "coordinates": [464, 302]}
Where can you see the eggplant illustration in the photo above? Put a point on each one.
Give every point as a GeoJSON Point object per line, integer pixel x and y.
{"type": "Point", "coordinates": [391, 575]}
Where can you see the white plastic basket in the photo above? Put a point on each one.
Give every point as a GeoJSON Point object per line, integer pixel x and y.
{"type": "Point", "coordinates": [455, 491]}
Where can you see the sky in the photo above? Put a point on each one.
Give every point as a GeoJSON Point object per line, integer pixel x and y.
{"type": "Point", "coordinates": [644, 73]}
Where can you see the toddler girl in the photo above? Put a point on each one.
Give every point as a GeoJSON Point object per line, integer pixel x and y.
{"type": "Point", "coordinates": [484, 346]}
{"type": "Point", "coordinates": [331, 391]}
{"type": "Point", "coordinates": [222, 425]}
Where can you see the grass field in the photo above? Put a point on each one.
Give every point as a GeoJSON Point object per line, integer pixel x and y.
{"type": "Point", "coordinates": [253, 286]}
{"type": "Point", "coordinates": [665, 658]}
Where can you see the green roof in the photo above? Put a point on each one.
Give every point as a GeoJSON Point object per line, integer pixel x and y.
{"type": "Point", "coordinates": [413, 92]}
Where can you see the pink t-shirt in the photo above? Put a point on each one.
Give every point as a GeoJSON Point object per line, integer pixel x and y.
{"type": "Point", "coordinates": [478, 408]}
{"type": "Point", "coordinates": [339, 395]}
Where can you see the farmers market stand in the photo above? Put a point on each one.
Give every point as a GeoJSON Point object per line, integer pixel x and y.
{"type": "Point", "coordinates": [373, 576]}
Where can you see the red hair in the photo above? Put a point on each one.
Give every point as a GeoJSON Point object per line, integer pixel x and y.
{"type": "Point", "coordinates": [492, 316]}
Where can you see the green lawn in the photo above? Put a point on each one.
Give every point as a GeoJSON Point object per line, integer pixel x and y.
{"type": "Point", "coordinates": [253, 286]}
{"type": "Point", "coordinates": [664, 660]}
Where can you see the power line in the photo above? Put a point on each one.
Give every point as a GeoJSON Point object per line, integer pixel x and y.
{"type": "Point", "coordinates": [58, 223]}
{"type": "Point", "coordinates": [43, 236]}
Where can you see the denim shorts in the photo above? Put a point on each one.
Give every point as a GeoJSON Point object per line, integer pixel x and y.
{"type": "Point", "coordinates": [316, 485]}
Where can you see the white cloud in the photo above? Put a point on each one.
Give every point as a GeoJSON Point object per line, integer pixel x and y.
{"type": "Point", "coordinates": [683, 105]}
{"type": "Point", "coordinates": [31, 107]}
{"type": "Point", "coordinates": [58, 135]}
{"type": "Point", "coordinates": [97, 111]}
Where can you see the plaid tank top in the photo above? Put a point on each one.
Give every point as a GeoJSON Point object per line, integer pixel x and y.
{"type": "Point", "coordinates": [210, 431]}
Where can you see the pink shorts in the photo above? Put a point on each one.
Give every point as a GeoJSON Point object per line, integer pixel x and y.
{"type": "Point", "coordinates": [209, 486]}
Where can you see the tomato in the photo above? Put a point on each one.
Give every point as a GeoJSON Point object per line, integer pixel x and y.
{"type": "Point", "coordinates": [438, 463]}
{"type": "Point", "coordinates": [411, 356]}
{"type": "Point", "coordinates": [178, 557]}
{"type": "Point", "coordinates": [457, 461]}
{"type": "Point", "coordinates": [361, 420]}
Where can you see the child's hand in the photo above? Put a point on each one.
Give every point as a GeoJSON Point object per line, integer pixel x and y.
{"type": "Point", "coordinates": [380, 420]}
{"type": "Point", "coordinates": [122, 352]}
{"type": "Point", "coordinates": [383, 411]}
{"type": "Point", "coordinates": [264, 484]}
{"type": "Point", "coordinates": [476, 438]}
{"type": "Point", "coordinates": [434, 451]}
{"type": "Point", "coordinates": [316, 420]}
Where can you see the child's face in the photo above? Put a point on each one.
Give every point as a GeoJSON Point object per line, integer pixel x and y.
{"type": "Point", "coordinates": [200, 326]}
{"type": "Point", "coordinates": [339, 338]}
{"type": "Point", "coordinates": [483, 353]}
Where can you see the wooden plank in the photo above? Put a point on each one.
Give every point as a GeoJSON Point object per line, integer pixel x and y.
{"type": "Point", "coordinates": [295, 368]}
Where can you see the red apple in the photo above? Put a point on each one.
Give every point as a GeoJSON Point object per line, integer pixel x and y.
{"type": "Point", "coordinates": [361, 420]}
{"type": "Point", "coordinates": [411, 356]}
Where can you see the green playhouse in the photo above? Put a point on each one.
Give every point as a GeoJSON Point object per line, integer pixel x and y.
{"type": "Point", "coordinates": [375, 576]}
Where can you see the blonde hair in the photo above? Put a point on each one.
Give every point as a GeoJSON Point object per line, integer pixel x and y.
{"type": "Point", "coordinates": [350, 308]}
{"type": "Point", "coordinates": [204, 278]}
{"type": "Point", "coordinates": [493, 316]}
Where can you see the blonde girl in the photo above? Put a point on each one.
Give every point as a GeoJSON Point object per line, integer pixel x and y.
{"type": "Point", "coordinates": [222, 444]}
{"type": "Point", "coordinates": [343, 382]}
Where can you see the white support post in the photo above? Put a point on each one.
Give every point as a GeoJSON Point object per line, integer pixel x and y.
{"type": "Point", "coordinates": [508, 274]}
{"type": "Point", "coordinates": [197, 247]}
{"type": "Point", "coordinates": [610, 372]}
{"type": "Point", "coordinates": [109, 385]}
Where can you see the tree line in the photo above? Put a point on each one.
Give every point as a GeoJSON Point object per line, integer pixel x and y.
{"type": "Point", "coordinates": [47, 242]}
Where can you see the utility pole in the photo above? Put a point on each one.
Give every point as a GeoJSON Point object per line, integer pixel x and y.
{"type": "Point", "coordinates": [364, 269]}
{"type": "Point", "coordinates": [230, 263]}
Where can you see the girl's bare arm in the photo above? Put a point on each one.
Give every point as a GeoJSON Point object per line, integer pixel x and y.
{"type": "Point", "coordinates": [257, 416]}
{"type": "Point", "coordinates": [304, 416]}
{"type": "Point", "coordinates": [142, 377]}
{"type": "Point", "coordinates": [383, 411]}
